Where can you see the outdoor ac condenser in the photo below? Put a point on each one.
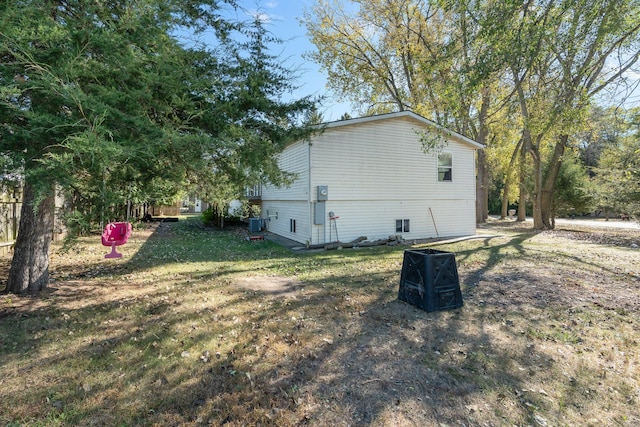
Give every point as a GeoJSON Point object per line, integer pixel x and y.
{"type": "Point", "coordinates": [255, 225]}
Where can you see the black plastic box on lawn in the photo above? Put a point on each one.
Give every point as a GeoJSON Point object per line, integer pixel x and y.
{"type": "Point", "coordinates": [429, 280]}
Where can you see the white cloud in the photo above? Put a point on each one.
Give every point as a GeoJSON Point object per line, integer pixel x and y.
{"type": "Point", "coordinates": [261, 16]}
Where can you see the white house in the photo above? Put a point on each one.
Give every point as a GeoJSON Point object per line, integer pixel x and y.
{"type": "Point", "coordinates": [371, 177]}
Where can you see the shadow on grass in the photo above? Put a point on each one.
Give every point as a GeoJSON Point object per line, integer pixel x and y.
{"type": "Point", "coordinates": [197, 349]}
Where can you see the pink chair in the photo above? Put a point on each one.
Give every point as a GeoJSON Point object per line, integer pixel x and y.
{"type": "Point", "coordinates": [115, 234]}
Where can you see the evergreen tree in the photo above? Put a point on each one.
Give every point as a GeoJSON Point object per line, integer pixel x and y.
{"type": "Point", "coordinates": [107, 101]}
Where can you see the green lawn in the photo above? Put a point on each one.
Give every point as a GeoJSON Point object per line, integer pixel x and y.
{"type": "Point", "coordinates": [196, 326]}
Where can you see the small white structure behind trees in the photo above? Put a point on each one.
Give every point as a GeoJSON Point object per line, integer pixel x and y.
{"type": "Point", "coordinates": [374, 177]}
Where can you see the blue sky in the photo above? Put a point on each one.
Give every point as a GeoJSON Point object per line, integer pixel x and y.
{"type": "Point", "coordinates": [282, 18]}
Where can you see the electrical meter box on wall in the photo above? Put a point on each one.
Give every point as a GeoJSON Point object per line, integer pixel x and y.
{"type": "Point", "coordinates": [318, 213]}
{"type": "Point", "coordinates": [323, 193]}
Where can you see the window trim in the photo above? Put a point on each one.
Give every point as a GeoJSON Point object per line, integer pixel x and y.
{"type": "Point", "coordinates": [403, 225]}
{"type": "Point", "coordinates": [446, 170]}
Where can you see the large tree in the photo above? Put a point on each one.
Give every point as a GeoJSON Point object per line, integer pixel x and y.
{"type": "Point", "coordinates": [460, 61]}
{"type": "Point", "coordinates": [560, 56]}
{"type": "Point", "coordinates": [107, 100]}
{"type": "Point", "coordinates": [617, 172]}
{"type": "Point", "coordinates": [418, 55]}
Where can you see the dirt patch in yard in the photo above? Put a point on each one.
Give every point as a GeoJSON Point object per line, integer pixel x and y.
{"type": "Point", "coordinates": [199, 327]}
{"type": "Point", "coordinates": [578, 267]}
{"type": "Point", "coordinates": [270, 285]}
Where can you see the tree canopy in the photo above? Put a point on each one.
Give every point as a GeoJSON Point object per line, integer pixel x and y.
{"type": "Point", "coordinates": [617, 173]}
{"type": "Point", "coordinates": [479, 67]}
{"type": "Point", "coordinates": [110, 101]}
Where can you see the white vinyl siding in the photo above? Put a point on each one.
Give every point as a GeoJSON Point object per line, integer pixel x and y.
{"type": "Point", "coordinates": [294, 159]}
{"type": "Point", "coordinates": [377, 219]}
{"type": "Point", "coordinates": [279, 215]}
{"type": "Point", "coordinates": [384, 161]}
{"type": "Point", "coordinates": [288, 205]}
{"type": "Point", "coordinates": [376, 173]}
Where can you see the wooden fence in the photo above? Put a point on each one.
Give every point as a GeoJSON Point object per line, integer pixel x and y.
{"type": "Point", "coordinates": [10, 209]}
{"type": "Point", "coordinates": [9, 221]}
{"type": "Point", "coordinates": [11, 206]}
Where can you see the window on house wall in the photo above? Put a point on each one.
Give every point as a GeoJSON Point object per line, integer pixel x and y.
{"type": "Point", "coordinates": [402, 226]}
{"type": "Point", "coordinates": [292, 225]}
{"type": "Point", "coordinates": [445, 166]}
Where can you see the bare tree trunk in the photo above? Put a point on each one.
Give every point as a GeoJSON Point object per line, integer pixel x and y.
{"type": "Point", "coordinates": [482, 180]}
{"type": "Point", "coordinates": [29, 271]}
{"type": "Point", "coordinates": [533, 148]}
{"type": "Point", "coordinates": [538, 223]}
{"type": "Point", "coordinates": [485, 202]}
{"type": "Point", "coordinates": [505, 194]}
{"type": "Point", "coordinates": [504, 209]}
{"type": "Point", "coordinates": [550, 179]}
{"type": "Point", "coordinates": [522, 202]}
{"type": "Point", "coordinates": [481, 189]}
{"type": "Point", "coordinates": [522, 197]}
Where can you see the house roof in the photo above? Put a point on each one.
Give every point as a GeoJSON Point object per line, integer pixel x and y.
{"type": "Point", "coordinates": [403, 114]}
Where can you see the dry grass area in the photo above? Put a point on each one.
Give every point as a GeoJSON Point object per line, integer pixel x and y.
{"type": "Point", "coordinates": [199, 327]}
